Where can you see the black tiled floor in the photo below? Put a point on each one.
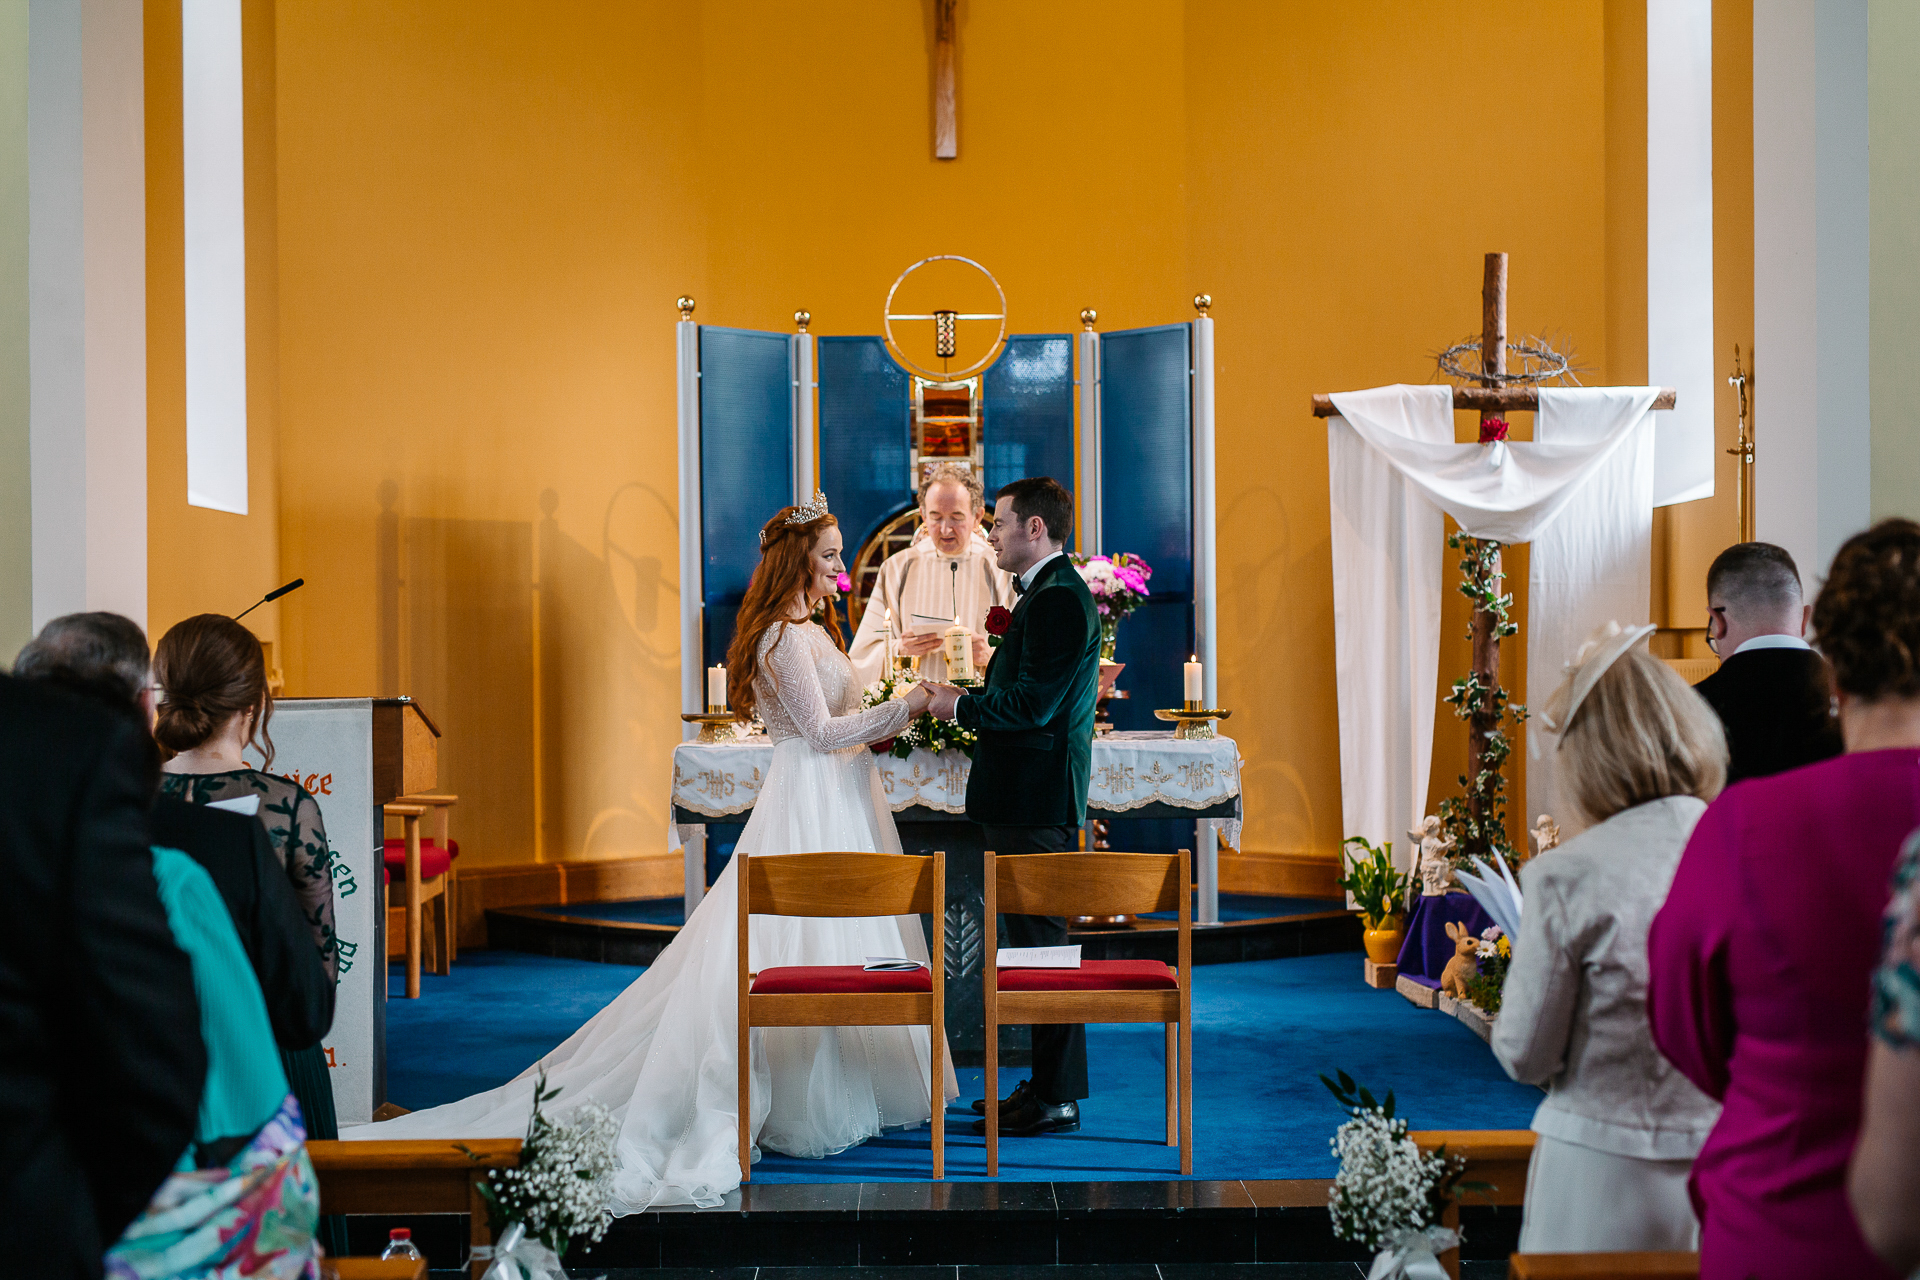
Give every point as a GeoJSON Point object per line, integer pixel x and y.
{"type": "Point", "coordinates": [1166, 1198]}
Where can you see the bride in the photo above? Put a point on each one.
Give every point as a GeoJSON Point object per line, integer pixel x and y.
{"type": "Point", "coordinates": [661, 1056]}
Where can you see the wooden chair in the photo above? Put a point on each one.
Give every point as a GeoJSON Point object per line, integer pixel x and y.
{"type": "Point", "coordinates": [394, 1178]}
{"type": "Point", "coordinates": [1101, 884]}
{"type": "Point", "coordinates": [429, 878]}
{"type": "Point", "coordinates": [843, 885]}
{"type": "Point", "coordinates": [373, 1269]}
{"type": "Point", "coordinates": [1495, 1156]}
{"type": "Point", "coordinates": [1604, 1266]}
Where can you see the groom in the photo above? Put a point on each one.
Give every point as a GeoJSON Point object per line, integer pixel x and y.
{"type": "Point", "coordinates": [1028, 788]}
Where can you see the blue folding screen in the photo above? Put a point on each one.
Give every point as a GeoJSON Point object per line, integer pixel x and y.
{"type": "Point", "coordinates": [746, 463]}
{"type": "Point", "coordinates": [864, 436]}
{"type": "Point", "coordinates": [1028, 402]}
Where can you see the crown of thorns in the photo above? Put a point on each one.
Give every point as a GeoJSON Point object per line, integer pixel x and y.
{"type": "Point", "coordinates": [806, 513]}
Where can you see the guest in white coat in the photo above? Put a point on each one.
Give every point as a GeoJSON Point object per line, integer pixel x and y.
{"type": "Point", "coordinates": [1639, 757]}
{"type": "Point", "coordinates": [948, 562]}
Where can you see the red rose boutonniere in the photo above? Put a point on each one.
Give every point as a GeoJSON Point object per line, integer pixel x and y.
{"type": "Point", "coordinates": [998, 620]}
{"type": "Point", "coordinates": [1492, 430]}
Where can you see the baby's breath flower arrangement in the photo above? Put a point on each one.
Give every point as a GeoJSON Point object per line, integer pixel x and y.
{"type": "Point", "coordinates": [1389, 1195]}
{"type": "Point", "coordinates": [561, 1188]}
{"type": "Point", "coordinates": [924, 731]}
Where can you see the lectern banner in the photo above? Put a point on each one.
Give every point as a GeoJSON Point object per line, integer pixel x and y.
{"type": "Point", "coordinates": [326, 745]}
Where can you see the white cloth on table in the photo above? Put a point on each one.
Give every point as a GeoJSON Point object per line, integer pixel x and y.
{"type": "Point", "coordinates": [1581, 492]}
{"type": "Point", "coordinates": [661, 1056]}
{"type": "Point", "coordinates": [919, 580]}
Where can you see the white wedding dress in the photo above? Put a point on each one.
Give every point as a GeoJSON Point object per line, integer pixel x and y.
{"type": "Point", "coordinates": [661, 1055]}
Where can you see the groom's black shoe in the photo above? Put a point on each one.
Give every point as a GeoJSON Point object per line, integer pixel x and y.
{"type": "Point", "coordinates": [1012, 1102]}
{"type": "Point", "coordinates": [1035, 1116]}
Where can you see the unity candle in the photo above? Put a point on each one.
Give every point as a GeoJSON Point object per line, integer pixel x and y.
{"type": "Point", "coordinates": [1196, 682]}
{"type": "Point", "coordinates": [716, 686]}
{"type": "Point", "coordinates": [959, 653]}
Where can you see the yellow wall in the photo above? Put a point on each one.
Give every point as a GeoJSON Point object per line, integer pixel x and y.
{"type": "Point", "coordinates": [202, 561]}
{"type": "Point", "coordinates": [486, 210]}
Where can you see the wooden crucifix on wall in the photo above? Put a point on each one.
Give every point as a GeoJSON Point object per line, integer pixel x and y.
{"type": "Point", "coordinates": [946, 128]}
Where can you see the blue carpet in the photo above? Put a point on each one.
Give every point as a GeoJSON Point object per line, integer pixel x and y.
{"type": "Point", "coordinates": [1261, 1032]}
{"type": "Point", "coordinates": [1233, 906]}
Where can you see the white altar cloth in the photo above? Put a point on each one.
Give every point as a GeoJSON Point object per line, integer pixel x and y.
{"type": "Point", "coordinates": [721, 780]}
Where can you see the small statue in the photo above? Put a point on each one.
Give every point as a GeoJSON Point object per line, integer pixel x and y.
{"type": "Point", "coordinates": [1432, 860]}
{"type": "Point", "coordinates": [1545, 834]}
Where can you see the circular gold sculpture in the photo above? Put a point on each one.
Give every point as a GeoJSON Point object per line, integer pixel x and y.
{"type": "Point", "coordinates": [944, 321]}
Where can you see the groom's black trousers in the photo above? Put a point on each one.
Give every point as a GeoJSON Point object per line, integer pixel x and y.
{"type": "Point", "coordinates": [1059, 1051]}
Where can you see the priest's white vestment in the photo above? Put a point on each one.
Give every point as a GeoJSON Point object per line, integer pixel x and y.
{"type": "Point", "coordinates": [920, 580]}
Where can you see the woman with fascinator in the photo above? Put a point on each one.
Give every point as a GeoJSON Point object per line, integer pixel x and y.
{"type": "Point", "coordinates": [661, 1056]}
{"type": "Point", "coordinates": [1638, 756]}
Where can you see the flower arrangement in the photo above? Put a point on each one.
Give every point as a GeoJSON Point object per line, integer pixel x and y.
{"type": "Point", "coordinates": [923, 730]}
{"type": "Point", "coordinates": [1381, 892]}
{"type": "Point", "coordinates": [561, 1188]}
{"type": "Point", "coordinates": [1389, 1195]}
{"type": "Point", "coordinates": [1494, 953]}
{"type": "Point", "coordinates": [1119, 586]}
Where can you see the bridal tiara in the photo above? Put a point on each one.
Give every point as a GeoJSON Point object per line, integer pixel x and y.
{"type": "Point", "coordinates": [806, 513]}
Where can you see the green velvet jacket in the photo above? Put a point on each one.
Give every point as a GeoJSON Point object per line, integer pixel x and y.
{"type": "Point", "coordinates": [1035, 716]}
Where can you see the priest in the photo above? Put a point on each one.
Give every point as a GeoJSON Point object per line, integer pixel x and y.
{"type": "Point", "coordinates": [948, 564]}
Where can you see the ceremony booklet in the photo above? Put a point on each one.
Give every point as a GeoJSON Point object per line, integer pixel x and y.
{"type": "Point", "coordinates": [892, 964]}
{"type": "Point", "coordinates": [1497, 892]}
{"type": "Point", "coordinates": [248, 805]}
{"type": "Point", "coordinates": [1039, 958]}
{"type": "Point", "coordinates": [921, 621]}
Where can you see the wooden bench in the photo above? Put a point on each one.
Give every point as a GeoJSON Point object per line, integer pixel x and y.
{"type": "Point", "coordinates": [398, 1178]}
{"type": "Point", "coordinates": [1499, 1157]}
{"type": "Point", "coordinates": [1604, 1266]}
{"type": "Point", "coordinates": [373, 1269]}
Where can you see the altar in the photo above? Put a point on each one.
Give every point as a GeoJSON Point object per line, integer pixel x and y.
{"type": "Point", "coordinates": [1135, 775]}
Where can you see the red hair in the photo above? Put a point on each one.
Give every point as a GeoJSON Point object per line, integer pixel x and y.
{"type": "Point", "coordinates": [786, 552]}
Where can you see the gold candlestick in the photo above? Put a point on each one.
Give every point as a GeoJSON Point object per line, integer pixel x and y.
{"type": "Point", "coordinates": [1193, 722]}
{"type": "Point", "coordinates": [713, 725]}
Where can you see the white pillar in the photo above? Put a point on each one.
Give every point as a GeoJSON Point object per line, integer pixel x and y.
{"type": "Point", "coordinates": [693, 850]}
{"type": "Point", "coordinates": [1207, 856]}
{"type": "Point", "coordinates": [692, 553]}
{"type": "Point", "coordinates": [1812, 467]}
{"type": "Point", "coordinates": [87, 307]}
{"type": "Point", "coordinates": [804, 473]}
{"type": "Point", "coordinates": [1088, 387]}
{"type": "Point", "coordinates": [1680, 351]}
{"type": "Point", "coordinates": [1205, 593]}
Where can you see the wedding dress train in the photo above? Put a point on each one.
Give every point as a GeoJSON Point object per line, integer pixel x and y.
{"type": "Point", "coordinates": [661, 1056]}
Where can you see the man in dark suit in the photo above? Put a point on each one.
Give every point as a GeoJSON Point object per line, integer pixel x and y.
{"type": "Point", "coordinates": [1773, 693]}
{"type": "Point", "coordinates": [1028, 787]}
{"type": "Point", "coordinates": [101, 1061]}
{"type": "Point", "coordinates": [104, 656]}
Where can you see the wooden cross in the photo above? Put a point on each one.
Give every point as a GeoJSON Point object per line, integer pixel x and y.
{"type": "Point", "coordinates": [946, 130]}
{"type": "Point", "coordinates": [1492, 400]}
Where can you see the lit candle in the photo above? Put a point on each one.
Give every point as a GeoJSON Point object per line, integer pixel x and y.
{"type": "Point", "coordinates": [716, 686]}
{"type": "Point", "coordinates": [1196, 683]}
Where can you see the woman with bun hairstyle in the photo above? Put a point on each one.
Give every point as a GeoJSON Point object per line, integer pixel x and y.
{"type": "Point", "coordinates": [1760, 961]}
{"type": "Point", "coordinates": [214, 705]}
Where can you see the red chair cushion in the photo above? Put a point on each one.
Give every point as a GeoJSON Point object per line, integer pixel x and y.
{"type": "Point", "coordinates": [824, 979]}
{"type": "Point", "coordinates": [1094, 975]}
{"type": "Point", "coordinates": [433, 859]}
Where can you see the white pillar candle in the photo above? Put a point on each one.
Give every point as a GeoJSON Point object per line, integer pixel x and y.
{"type": "Point", "coordinates": [1195, 680]}
{"type": "Point", "coordinates": [717, 686]}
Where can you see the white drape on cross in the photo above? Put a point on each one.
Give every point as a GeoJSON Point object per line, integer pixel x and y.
{"type": "Point", "coordinates": [1581, 492]}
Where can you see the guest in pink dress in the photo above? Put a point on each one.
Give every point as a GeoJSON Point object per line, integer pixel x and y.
{"type": "Point", "coordinates": [1759, 963]}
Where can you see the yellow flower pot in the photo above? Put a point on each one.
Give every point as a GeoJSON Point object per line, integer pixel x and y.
{"type": "Point", "coordinates": [1383, 945]}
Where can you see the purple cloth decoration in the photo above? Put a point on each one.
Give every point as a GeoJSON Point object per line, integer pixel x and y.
{"type": "Point", "coordinates": [1427, 948]}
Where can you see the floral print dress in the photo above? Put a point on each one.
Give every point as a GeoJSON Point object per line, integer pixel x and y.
{"type": "Point", "coordinates": [292, 818]}
{"type": "Point", "coordinates": [1896, 983]}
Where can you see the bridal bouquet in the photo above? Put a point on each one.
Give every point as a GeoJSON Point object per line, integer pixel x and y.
{"type": "Point", "coordinates": [923, 730]}
{"type": "Point", "coordinates": [1119, 586]}
{"type": "Point", "coordinates": [1389, 1195]}
{"type": "Point", "coordinates": [559, 1191]}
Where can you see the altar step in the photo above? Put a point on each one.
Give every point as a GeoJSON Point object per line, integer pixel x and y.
{"type": "Point", "coordinates": [594, 931]}
{"type": "Point", "coordinates": [866, 1231]}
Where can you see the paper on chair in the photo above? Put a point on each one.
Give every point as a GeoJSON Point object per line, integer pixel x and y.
{"type": "Point", "coordinates": [1039, 958]}
{"type": "Point", "coordinates": [892, 964]}
{"type": "Point", "coordinates": [249, 805]}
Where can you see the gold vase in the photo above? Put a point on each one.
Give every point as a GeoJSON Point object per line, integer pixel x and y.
{"type": "Point", "coordinates": [1383, 945]}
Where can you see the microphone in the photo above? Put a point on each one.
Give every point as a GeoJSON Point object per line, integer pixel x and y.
{"type": "Point", "coordinates": [275, 594]}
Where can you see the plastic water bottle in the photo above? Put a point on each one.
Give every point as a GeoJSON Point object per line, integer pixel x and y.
{"type": "Point", "coordinates": [400, 1245]}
